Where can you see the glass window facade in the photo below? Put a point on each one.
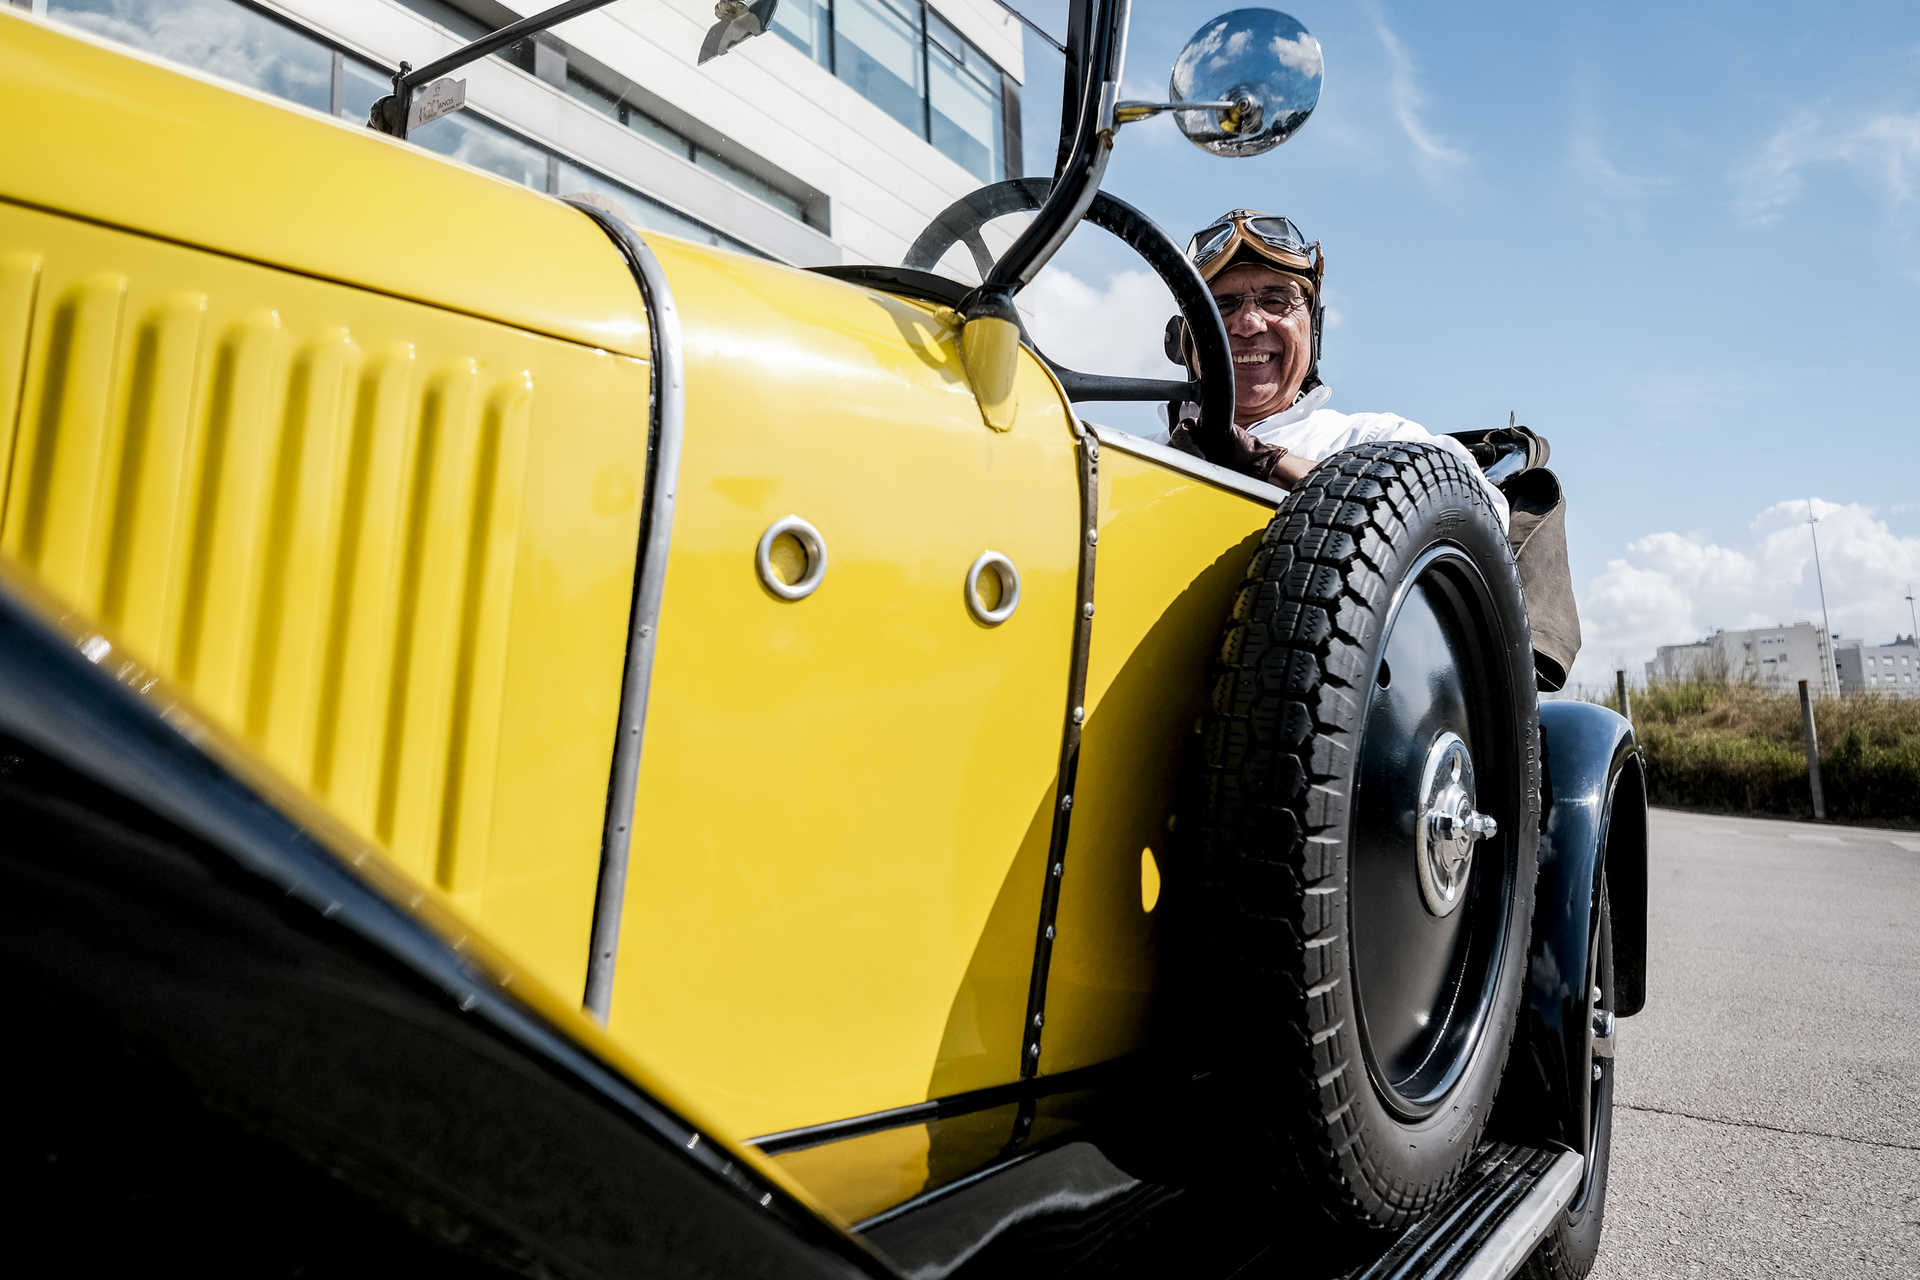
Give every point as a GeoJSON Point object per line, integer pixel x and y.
{"type": "Point", "coordinates": [610, 105]}
{"type": "Point", "coordinates": [614, 107]}
{"type": "Point", "coordinates": [216, 36]}
{"type": "Point", "coordinates": [963, 102]}
{"type": "Point", "coordinates": [808, 25]}
{"type": "Point", "coordinates": [751, 183]}
{"type": "Point", "coordinates": [639, 208]}
{"type": "Point", "coordinates": [878, 49]}
{"type": "Point", "coordinates": [903, 58]}
{"type": "Point", "coordinates": [237, 42]}
{"type": "Point", "coordinates": [360, 87]}
{"type": "Point", "coordinates": [466, 137]}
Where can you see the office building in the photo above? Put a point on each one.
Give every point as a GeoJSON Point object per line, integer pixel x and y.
{"type": "Point", "coordinates": [1776, 657]}
{"type": "Point", "coordinates": [1892, 669]}
{"type": "Point", "coordinates": [837, 136]}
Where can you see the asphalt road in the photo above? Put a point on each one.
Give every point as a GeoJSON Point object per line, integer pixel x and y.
{"type": "Point", "coordinates": [1767, 1115]}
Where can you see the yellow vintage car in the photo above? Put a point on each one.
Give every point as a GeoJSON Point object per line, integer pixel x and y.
{"type": "Point", "coordinates": [530, 746]}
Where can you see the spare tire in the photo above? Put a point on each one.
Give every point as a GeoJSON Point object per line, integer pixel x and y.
{"type": "Point", "coordinates": [1361, 923]}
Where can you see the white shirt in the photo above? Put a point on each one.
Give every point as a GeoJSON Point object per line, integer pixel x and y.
{"type": "Point", "coordinates": [1313, 431]}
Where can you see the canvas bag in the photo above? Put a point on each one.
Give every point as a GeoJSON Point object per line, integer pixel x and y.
{"type": "Point", "coordinates": [1515, 459]}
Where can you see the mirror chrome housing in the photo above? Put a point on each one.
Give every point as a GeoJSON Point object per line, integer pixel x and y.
{"type": "Point", "coordinates": [735, 21]}
{"type": "Point", "coordinates": [1263, 65]}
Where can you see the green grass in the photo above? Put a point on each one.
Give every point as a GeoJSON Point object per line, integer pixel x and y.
{"type": "Point", "coordinates": [1737, 748]}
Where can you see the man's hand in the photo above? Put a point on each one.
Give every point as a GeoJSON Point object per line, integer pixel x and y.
{"type": "Point", "coordinates": [1241, 451]}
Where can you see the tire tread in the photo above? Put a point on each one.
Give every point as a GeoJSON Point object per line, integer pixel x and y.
{"type": "Point", "coordinates": [1284, 693]}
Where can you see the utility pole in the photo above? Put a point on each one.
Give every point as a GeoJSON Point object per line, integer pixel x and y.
{"type": "Point", "coordinates": [1813, 756]}
{"type": "Point", "coordinates": [1911, 617]}
{"type": "Point", "coordinates": [1828, 680]}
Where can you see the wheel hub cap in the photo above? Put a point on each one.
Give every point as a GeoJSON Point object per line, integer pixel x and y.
{"type": "Point", "coordinates": [1446, 825]}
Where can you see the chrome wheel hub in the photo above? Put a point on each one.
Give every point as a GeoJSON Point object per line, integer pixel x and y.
{"type": "Point", "coordinates": [1446, 824]}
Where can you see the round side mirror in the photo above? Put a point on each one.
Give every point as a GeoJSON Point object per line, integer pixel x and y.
{"type": "Point", "coordinates": [1261, 61]}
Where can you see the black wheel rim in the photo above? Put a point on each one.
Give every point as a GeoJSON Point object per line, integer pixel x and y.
{"type": "Point", "coordinates": [1424, 983]}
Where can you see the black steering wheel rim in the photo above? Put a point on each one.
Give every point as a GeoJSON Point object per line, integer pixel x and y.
{"type": "Point", "coordinates": [960, 223]}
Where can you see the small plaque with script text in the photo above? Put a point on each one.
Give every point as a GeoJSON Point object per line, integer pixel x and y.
{"type": "Point", "coordinates": [443, 96]}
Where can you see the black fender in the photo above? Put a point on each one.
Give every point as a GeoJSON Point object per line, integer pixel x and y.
{"type": "Point", "coordinates": [1594, 819]}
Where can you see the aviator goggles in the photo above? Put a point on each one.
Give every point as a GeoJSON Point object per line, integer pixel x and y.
{"type": "Point", "coordinates": [1267, 236]}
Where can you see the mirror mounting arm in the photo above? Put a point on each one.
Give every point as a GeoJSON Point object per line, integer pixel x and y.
{"type": "Point", "coordinates": [1073, 80]}
{"type": "Point", "coordinates": [1129, 112]}
{"type": "Point", "coordinates": [1078, 179]}
{"type": "Point", "coordinates": [390, 113]}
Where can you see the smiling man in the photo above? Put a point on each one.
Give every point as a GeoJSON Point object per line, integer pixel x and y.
{"type": "Point", "coordinates": [1266, 279]}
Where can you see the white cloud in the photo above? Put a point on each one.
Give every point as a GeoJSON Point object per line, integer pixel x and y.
{"type": "Point", "coordinates": [1625, 615]}
{"type": "Point", "coordinates": [1671, 587]}
{"type": "Point", "coordinates": [1771, 180]}
{"type": "Point", "coordinates": [1437, 157]}
{"type": "Point", "coordinates": [1881, 151]}
{"type": "Point", "coordinates": [1205, 45]}
{"type": "Point", "coordinates": [1695, 565]}
{"type": "Point", "coordinates": [1889, 148]}
{"type": "Point", "coordinates": [1302, 53]}
{"type": "Point", "coordinates": [1157, 132]}
{"type": "Point", "coordinates": [1612, 189]}
{"type": "Point", "coordinates": [1236, 48]}
{"type": "Point", "coordinates": [1335, 314]}
{"type": "Point", "coordinates": [1113, 327]}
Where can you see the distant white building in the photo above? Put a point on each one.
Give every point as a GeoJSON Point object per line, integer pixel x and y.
{"type": "Point", "coordinates": [1777, 657]}
{"type": "Point", "coordinates": [1892, 669]}
{"type": "Point", "coordinates": [835, 137]}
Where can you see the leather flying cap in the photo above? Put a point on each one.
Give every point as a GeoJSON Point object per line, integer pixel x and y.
{"type": "Point", "coordinates": [1249, 235]}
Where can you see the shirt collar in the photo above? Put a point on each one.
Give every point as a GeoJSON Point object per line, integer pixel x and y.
{"type": "Point", "coordinates": [1309, 403]}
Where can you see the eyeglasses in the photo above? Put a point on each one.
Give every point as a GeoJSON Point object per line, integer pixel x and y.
{"type": "Point", "coordinates": [1279, 303]}
{"type": "Point", "coordinates": [1278, 232]}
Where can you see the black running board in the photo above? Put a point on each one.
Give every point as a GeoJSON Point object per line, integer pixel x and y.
{"type": "Point", "coordinates": [1509, 1198]}
{"type": "Point", "coordinates": [1071, 1211]}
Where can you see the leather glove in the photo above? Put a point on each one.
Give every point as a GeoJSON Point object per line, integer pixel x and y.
{"type": "Point", "coordinates": [1239, 451]}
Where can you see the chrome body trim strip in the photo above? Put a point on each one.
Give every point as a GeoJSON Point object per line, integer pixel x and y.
{"type": "Point", "coordinates": [643, 628]}
{"type": "Point", "coordinates": [1113, 1074]}
{"type": "Point", "coordinates": [1199, 468]}
{"type": "Point", "coordinates": [1088, 454]}
{"type": "Point", "coordinates": [1515, 1238]}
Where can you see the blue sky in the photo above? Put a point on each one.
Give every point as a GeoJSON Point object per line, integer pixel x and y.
{"type": "Point", "coordinates": [1683, 241]}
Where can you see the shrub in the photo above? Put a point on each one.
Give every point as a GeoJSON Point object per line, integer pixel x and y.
{"type": "Point", "coordinates": [1737, 747]}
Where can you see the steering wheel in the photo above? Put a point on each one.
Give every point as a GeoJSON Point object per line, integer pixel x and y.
{"type": "Point", "coordinates": [1212, 390]}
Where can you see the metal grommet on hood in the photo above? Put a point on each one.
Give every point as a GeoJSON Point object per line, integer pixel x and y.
{"type": "Point", "coordinates": [1006, 599]}
{"type": "Point", "coordinates": [812, 545]}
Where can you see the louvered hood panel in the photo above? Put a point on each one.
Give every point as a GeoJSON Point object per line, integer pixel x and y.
{"type": "Point", "coordinates": [389, 547]}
